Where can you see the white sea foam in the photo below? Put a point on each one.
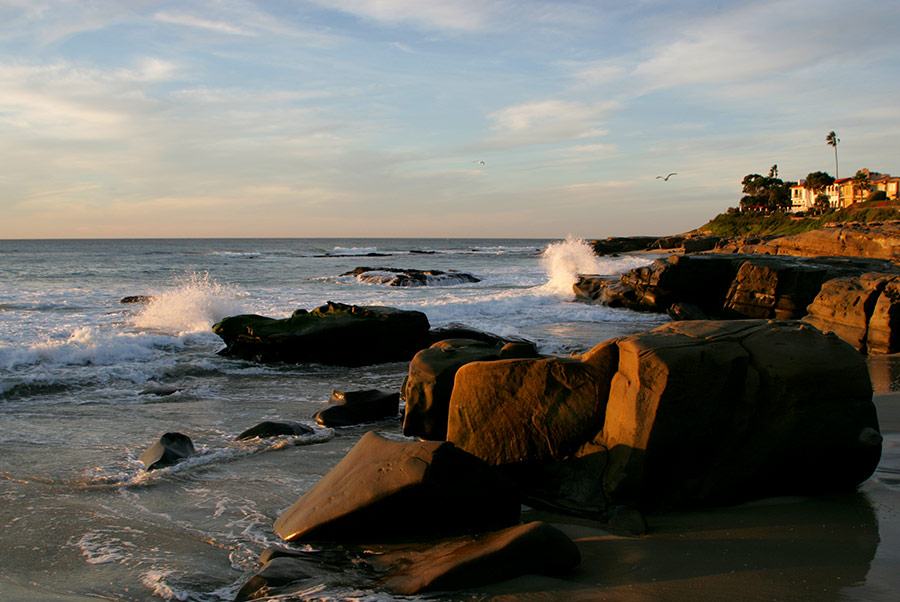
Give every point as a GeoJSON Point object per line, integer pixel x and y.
{"type": "Point", "coordinates": [564, 261]}
{"type": "Point", "coordinates": [193, 306]}
{"type": "Point", "coordinates": [352, 250]}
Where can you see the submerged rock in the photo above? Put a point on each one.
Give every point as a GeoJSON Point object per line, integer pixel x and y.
{"type": "Point", "coordinates": [395, 489]}
{"type": "Point", "coordinates": [269, 428]}
{"type": "Point", "coordinates": [170, 449]}
{"type": "Point", "coordinates": [347, 408]}
{"type": "Point", "coordinates": [277, 572]}
{"type": "Point", "coordinates": [333, 334]}
{"type": "Point", "coordinates": [533, 548]}
{"type": "Point", "coordinates": [410, 277]}
{"type": "Point", "coordinates": [161, 390]}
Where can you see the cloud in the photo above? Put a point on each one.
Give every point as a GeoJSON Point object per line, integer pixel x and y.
{"type": "Point", "coordinates": [745, 43]}
{"type": "Point", "coordinates": [201, 23]}
{"type": "Point", "coordinates": [546, 121]}
{"type": "Point", "coordinates": [460, 15]}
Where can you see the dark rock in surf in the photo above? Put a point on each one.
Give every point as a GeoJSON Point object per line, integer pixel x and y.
{"type": "Point", "coordinates": [269, 428]}
{"type": "Point", "coordinates": [347, 408]}
{"type": "Point", "coordinates": [385, 489]}
{"type": "Point", "coordinates": [410, 277]}
{"type": "Point", "coordinates": [170, 449]}
{"type": "Point", "coordinates": [278, 572]}
{"type": "Point", "coordinates": [455, 330]}
{"type": "Point", "coordinates": [467, 562]}
{"type": "Point", "coordinates": [333, 334]}
{"type": "Point", "coordinates": [161, 391]}
{"type": "Point", "coordinates": [621, 244]}
{"type": "Point", "coordinates": [136, 299]}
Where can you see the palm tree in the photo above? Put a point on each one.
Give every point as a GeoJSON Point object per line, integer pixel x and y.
{"type": "Point", "coordinates": [833, 140]}
{"type": "Point", "coordinates": [861, 183]}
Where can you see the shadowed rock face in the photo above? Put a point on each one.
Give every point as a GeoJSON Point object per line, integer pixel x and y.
{"type": "Point", "coordinates": [864, 311]}
{"type": "Point", "coordinates": [730, 286]}
{"type": "Point", "coordinates": [395, 489]}
{"type": "Point", "coordinates": [430, 381]}
{"type": "Point", "coordinates": [691, 413]}
{"type": "Point", "coordinates": [334, 334]}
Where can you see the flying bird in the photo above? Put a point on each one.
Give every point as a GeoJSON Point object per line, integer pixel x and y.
{"type": "Point", "coordinates": [666, 179]}
{"type": "Point", "coordinates": [478, 162]}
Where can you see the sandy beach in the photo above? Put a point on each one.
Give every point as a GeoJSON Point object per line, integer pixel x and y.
{"type": "Point", "coordinates": [834, 547]}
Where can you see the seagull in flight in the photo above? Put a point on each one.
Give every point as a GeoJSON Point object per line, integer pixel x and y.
{"type": "Point", "coordinates": [478, 162]}
{"type": "Point", "coordinates": [666, 179]}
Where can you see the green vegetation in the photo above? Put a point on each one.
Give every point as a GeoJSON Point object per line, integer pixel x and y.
{"type": "Point", "coordinates": [783, 224]}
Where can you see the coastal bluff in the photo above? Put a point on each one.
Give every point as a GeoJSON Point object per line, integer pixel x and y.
{"type": "Point", "coordinates": [840, 279]}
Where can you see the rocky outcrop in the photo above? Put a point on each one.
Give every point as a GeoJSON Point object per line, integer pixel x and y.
{"type": "Point", "coordinates": [410, 277]}
{"type": "Point", "coordinates": [429, 383]}
{"type": "Point", "coordinates": [395, 489]}
{"type": "Point", "coordinates": [621, 244]}
{"type": "Point", "coordinates": [347, 408]}
{"type": "Point", "coordinates": [272, 428]}
{"type": "Point", "coordinates": [863, 310]}
{"type": "Point", "coordinates": [170, 449]}
{"type": "Point", "coordinates": [525, 410]}
{"type": "Point", "coordinates": [730, 286]}
{"type": "Point", "coordinates": [334, 334]}
{"type": "Point", "coordinates": [533, 548]}
{"type": "Point", "coordinates": [697, 413]}
{"type": "Point", "coordinates": [874, 240]}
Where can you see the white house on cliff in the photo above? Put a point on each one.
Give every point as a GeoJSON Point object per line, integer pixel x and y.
{"type": "Point", "coordinates": [841, 193]}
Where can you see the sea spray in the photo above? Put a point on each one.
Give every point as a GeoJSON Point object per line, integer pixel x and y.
{"type": "Point", "coordinates": [564, 261]}
{"type": "Point", "coordinates": [194, 306]}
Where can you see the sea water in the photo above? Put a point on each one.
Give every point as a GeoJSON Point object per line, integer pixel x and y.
{"type": "Point", "coordinates": [87, 383]}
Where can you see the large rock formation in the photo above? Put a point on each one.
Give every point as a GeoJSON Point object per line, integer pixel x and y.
{"type": "Point", "coordinates": [530, 409]}
{"type": "Point", "coordinates": [391, 489]}
{"type": "Point", "coordinates": [864, 311]}
{"type": "Point", "coordinates": [429, 383]}
{"type": "Point", "coordinates": [697, 413]}
{"type": "Point", "coordinates": [334, 334]}
{"type": "Point", "coordinates": [732, 286]}
{"type": "Point", "coordinates": [875, 240]}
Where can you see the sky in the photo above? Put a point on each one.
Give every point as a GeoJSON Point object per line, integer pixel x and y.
{"type": "Point", "coordinates": [370, 118]}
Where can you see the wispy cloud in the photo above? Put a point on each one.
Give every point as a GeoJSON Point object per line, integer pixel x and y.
{"type": "Point", "coordinates": [546, 121]}
{"type": "Point", "coordinates": [190, 20]}
{"type": "Point", "coordinates": [461, 15]}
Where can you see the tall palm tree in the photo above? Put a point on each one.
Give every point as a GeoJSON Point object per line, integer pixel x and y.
{"type": "Point", "coordinates": [861, 184]}
{"type": "Point", "coordinates": [833, 140]}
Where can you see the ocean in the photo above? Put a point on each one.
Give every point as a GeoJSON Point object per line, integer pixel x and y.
{"type": "Point", "coordinates": [86, 385]}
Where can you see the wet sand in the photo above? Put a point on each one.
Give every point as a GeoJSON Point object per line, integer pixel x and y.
{"type": "Point", "coordinates": [835, 547]}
